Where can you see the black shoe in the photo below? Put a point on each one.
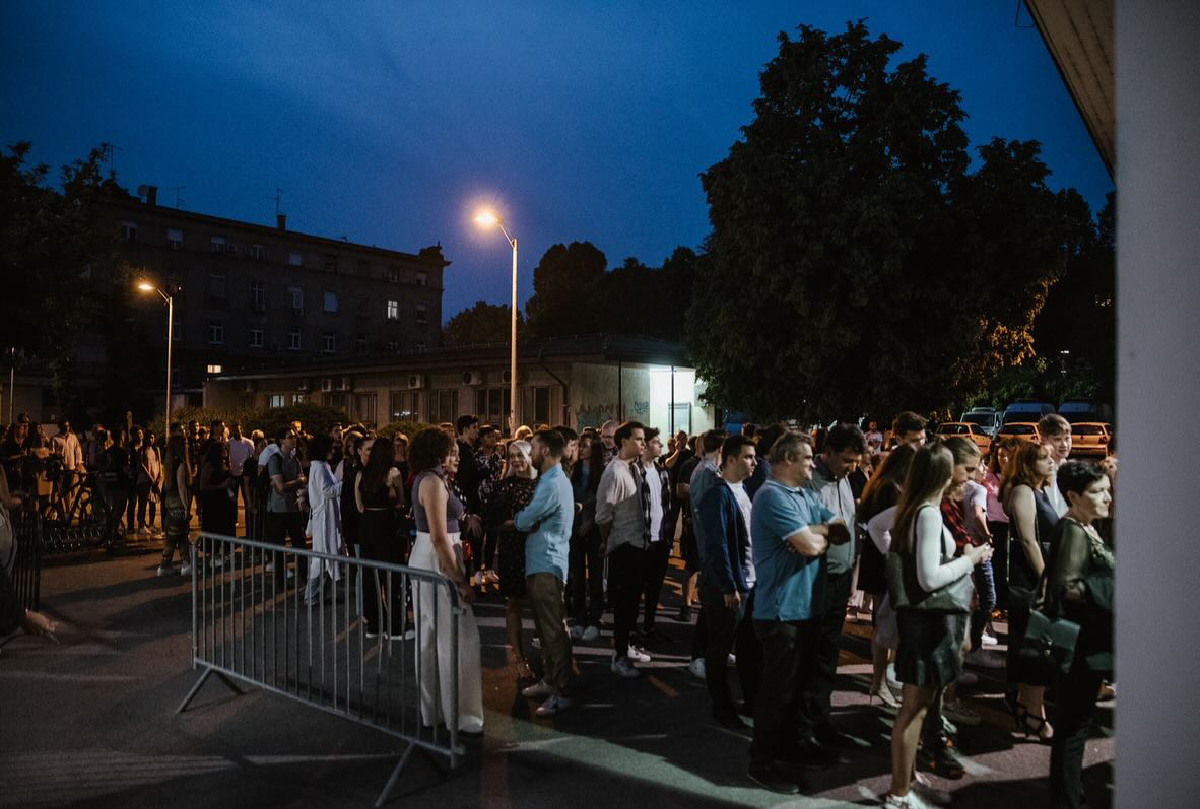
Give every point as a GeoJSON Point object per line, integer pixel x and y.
{"type": "Point", "coordinates": [685, 614]}
{"type": "Point", "coordinates": [940, 762]}
{"type": "Point", "coordinates": [769, 777]}
{"type": "Point", "coordinates": [813, 756]}
{"type": "Point", "coordinates": [830, 737]}
{"type": "Point", "coordinates": [729, 721]}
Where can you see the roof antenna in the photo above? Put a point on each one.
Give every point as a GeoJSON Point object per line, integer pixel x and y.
{"type": "Point", "coordinates": [178, 199]}
{"type": "Point", "coordinates": [109, 150]}
{"type": "Point", "coordinates": [278, 197]}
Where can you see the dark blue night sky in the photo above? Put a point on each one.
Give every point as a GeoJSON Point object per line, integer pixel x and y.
{"type": "Point", "coordinates": [388, 123]}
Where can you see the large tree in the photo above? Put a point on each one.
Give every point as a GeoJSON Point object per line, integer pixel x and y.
{"type": "Point", "coordinates": [565, 291]}
{"type": "Point", "coordinates": [482, 323]}
{"type": "Point", "coordinates": [856, 263]}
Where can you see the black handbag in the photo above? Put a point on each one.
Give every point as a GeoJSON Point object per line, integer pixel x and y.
{"type": "Point", "coordinates": [905, 590]}
{"type": "Point", "coordinates": [1049, 640]}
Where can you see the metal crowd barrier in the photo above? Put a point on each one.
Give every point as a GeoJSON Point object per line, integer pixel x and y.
{"type": "Point", "coordinates": [250, 626]}
{"type": "Point", "coordinates": [24, 558]}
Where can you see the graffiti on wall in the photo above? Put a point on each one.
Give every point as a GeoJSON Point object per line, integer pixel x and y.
{"type": "Point", "coordinates": [595, 415]}
{"type": "Point", "coordinates": [641, 410]}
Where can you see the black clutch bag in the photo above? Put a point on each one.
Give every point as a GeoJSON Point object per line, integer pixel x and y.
{"type": "Point", "coordinates": [1049, 643]}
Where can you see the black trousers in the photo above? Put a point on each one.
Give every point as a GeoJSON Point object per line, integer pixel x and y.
{"type": "Point", "coordinates": [1077, 693]}
{"type": "Point", "coordinates": [658, 556]}
{"type": "Point", "coordinates": [786, 647]}
{"type": "Point", "coordinates": [281, 526]}
{"type": "Point", "coordinates": [626, 580]}
{"type": "Point", "coordinates": [377, 534]}
{"type": "Point", "coordinates": [1000, 561]}
{"type": "Point", "coordinates": [727, 629]}
{"type": "Point", "coordinates": [587, 577]}
{"type": "Point", "coordinates": [822, 673]}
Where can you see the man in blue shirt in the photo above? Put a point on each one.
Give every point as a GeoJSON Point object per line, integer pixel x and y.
{"type": "Point", "coordinates": [548, 520]}
{"type": "Point", "coordinates": [790, 532]}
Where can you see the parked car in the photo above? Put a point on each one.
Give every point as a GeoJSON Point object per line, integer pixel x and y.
{"type": "Point", "coordinates": [1081, 410]}
{"type": "Point", "coordinates": [1022, 431]}
{"type": "Point", "coordinates": [1091, 439]}
{"type": "Point", "coordinates": [1026, 410]}
{"type": "Point", "coordinates": [986, 418]}
{"type": "Point", "coordinates": [966, 429]}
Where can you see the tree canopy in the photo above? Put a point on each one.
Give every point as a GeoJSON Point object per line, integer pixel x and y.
{"type": "Point", "coordinates": [857, 262]}
{"type": "Point", "coordinates": [482, 323]}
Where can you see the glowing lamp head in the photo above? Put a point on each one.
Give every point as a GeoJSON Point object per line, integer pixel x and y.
{"type": "Point", "coordinates": [487, 219]}
{"type": "Point", "coordinates": [145, 286]}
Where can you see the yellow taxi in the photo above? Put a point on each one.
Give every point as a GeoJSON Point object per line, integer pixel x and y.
{"type": "Point", "coordinates": [1022, 431]}
{"type": "Point", "coordinates": [1092, 439]}
{"type": "Point", "coordinates": [965, 429]}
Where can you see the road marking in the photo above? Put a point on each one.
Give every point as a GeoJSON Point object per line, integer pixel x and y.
{"type": "Point", "coordinates": [67, 678]}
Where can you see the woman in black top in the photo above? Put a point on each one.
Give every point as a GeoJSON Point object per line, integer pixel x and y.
{"type": "Point", "coordinates": [1031, 522]}
{"type": "Point", "coordinates": [1079, 586]}
{"type": "Point", "coordinates": [177, 477]}
{"type": "Point", "coordinates": [513, 493]}
{"type": "Point", "coordinates": [114, 481]}
{"type": "Point", "coordinates": [376, 492]}
{"type": "Point", "coordinates": [218, 510]}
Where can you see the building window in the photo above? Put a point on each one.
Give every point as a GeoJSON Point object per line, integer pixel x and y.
{"type": "Point", "coordinates": [256, 252]}
{"type": "Point", "coordinates": [419, 345]}
{"type": "Point", "coordinates": [217, 244]}
{"type": "Point", "coordinates": [275, 400]}
{"type": "Point", "coordinates": [129, 230]}
{"type": "Point", "coordinates": [444, 404]}
{"type": "Point", "coordinates": [393, 346]}
{"type": "Point", "coordinates": [256, 338]}
{"type": "Point", "coordinates": [299, 398]}
{"type": "Point", "coordinates": [404, 405]}
{"type": "Point", "coordinates": [216, 333]}
{"type": "Point", "coordinates": [258, 296]}
{"type": "Point", "coordinates": [541, 405]}
{"type": "Point", "coordinates": [422, 315]}
{"type": "Point", "coordinates": [360, 344]}
{"type": "Point", "coordinates": [364, 408]}
{"type": "Point", "coordinates": [296, 259]}
{"type": "Point", "coordinates": [296, 296]}
{"type": "Point", "coordinates": [175, 238]}
{"type": "Point", "coordinates": [393, 310]}
{"type": "Point", "coordinates": [331, 302]}
{"type": "Point", "coordinates": [216, 287]}
{"type": "Point", "coordinates": [177, 328]}
{"type": "Point", "coordinates": [214, 368]}
{"type": "Point", "coordinates": [491, 405]}
{"type": "Point", "coordinates": [331, 262]}
{"type": "Point", "coordinates": [420, 279]}
{"type": "Point", "coordinates": [393, 274]}
{"type": "Point", "coordinates": [329, 343]}
{"type": "Point", "coordinates": [339, 401]}
{"type": "Point", "coordinates": [294, 340]}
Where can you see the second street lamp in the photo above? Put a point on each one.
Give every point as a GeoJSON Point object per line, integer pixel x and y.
{"type": "Point", "coordinates": [146, 286]}
{"type": "Point", "coordinates": [488, 219]}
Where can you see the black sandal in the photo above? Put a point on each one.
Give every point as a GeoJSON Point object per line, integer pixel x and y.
{"type": "Point", "coordinates": [1036, 730]}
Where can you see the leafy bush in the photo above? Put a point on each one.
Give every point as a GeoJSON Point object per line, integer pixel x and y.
{"type": "Point", "coordinates": [407, 426]}
{"type": "Point", "coordinates": [315, 418]}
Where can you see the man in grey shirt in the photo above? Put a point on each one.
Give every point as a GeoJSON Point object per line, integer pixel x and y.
{"type": "Point", "coordinates": [284, 518]}
{"type": "Point", "coordinates": [844, 444]}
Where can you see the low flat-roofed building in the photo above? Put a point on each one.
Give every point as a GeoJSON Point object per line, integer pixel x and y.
{"type": "Point", "coordinates": [578, 381]}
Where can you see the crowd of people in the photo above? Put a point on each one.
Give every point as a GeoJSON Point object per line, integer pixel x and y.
{"type": "Point", "coordinates": [784, 535]}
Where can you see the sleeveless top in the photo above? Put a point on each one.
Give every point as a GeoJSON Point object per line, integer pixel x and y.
{"type": "Point", "coordinates": [454, 507]}
{"type": "Point", "coordinates": [374, 498]}
{"type": "Point", "coordinates": [1020, 572]}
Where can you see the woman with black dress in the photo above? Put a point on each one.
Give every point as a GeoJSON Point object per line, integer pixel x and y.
{"type": "Point", "coordinates": [218, 509]}
{"type": "Point", "coordinates": [1032, 519]}
{"type": "Point", "coordinates": [376, 492]}
{"type": "Point", "coordinates": [513, 493]}
{"type": "Point", "coordinates": [1079, 587]}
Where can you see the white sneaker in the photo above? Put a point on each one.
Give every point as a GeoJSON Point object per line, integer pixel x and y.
{"type": "Point", "coordinates": [166, 570]}
{"type": "Point", "coordinates": [989, 639]}
{"type": "Point", "coordinates": [538, 689]}
{"type": "Point", "coordinates": [637, 655]}
{"type": "Point", "coordinates": [909, 801]}
{"type": "Point", "coordinates": [537, 642]}
{"type": "Point", "coordinates": [889, 677]}
{"type": "Point", "coordinates": [218, 560]}
{"type": "Point", "coordinates": [577, 632]}
{"type": "Point", "coordinates": [624, 666]}
{"type": "Point", "coordinates": [697, 668]}
{"type": "Point", "coordinates": [886, 698]}
{"type": "Point", "coordinates": [591, 633]}
{"type": "Point", "coordinates": [956, 711]}
{"type": "Point", "coordinates": [982, 658]}
{"type": "Point", "coordinates": [555, 704]}
{"type": "Point", "coordinates": [928, 792]}
{"type": "Point", "coordinates": [186, 570]}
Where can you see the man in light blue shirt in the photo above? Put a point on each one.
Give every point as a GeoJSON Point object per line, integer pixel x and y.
{"type": "Point", "coordinates": [548, 520]}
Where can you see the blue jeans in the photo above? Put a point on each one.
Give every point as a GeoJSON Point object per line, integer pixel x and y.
{"type": "Point", "coordinates": [985, 585]}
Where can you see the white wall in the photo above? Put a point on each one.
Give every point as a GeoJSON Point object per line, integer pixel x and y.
{"type": "Point", "coordinates": [1158, 393]}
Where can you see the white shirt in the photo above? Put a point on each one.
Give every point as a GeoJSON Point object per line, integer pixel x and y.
{"type": "Point", "coordinates": [1056, 497]}
{"type": "Point", "coordinates": [974, 495]}
{"type": "Point", "coordinates": [934, 542]}
{"type": "Point", "coordinates": [239, 450]}
{"type": "Point", "coordinates": [743, 501]}
{"type": "Point", "coordinates": [880, 529]}
{"type": "Point", "coordinates": [654, 483]}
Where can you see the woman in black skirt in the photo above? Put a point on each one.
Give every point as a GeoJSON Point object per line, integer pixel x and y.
{"type": "Point", "coordinates": [930, 653]}
{"type": "Point", "coordinates": [513, 493]}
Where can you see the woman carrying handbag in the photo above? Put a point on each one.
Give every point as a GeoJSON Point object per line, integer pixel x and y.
{"type": "Point", "coordinates": [931, 590]}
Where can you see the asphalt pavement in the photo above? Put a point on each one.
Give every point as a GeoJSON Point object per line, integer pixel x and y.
{"type": "Point", "coordinates": [92, 722]}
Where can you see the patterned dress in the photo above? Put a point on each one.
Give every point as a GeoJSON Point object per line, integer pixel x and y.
{"type": "Point", "coordinates": [509, 496]}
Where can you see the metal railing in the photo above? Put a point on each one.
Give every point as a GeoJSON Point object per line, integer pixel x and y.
{"type": "Point", "coordinates": [24, 559]}
{"type": "Point", "coordinates": [250, 625]}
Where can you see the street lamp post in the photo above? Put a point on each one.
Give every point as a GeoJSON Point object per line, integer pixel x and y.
{"type": "Point", "coordinates": [487, 218]}
{"type": "Point", "coordinates": [146, 286]}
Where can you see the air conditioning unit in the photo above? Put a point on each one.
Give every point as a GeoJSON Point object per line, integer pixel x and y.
{"type": "Point", "coordinates": [344, 383]}
{"type": "Point", "coordinates": [302, 385]}
{"type": "Point", "coordinates": [416, 381]}
{"type": "Point", "coordinates": [326, 385]}
{"type": "Point", "coordinates": [472, 378]}
{"type": "Point", "coordinates": [250, 387]}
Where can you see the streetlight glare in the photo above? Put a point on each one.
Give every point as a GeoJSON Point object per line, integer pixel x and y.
{"type": "Point", "coordinates": [487, 218]}
{"type": "Point", "coordinates": [145, 286]}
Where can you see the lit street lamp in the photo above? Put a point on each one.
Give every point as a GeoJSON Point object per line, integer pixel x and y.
{"type": "Point", "coordinates": [487, 219]}
{"type": "Point", "coordinates": [146, 286]}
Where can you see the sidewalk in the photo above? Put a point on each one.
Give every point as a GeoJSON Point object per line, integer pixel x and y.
{"type": "Point", "coordinates": [93, 723]}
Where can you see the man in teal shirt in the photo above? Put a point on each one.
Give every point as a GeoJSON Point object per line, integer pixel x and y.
{"type": "Point", "coordinates": [548, 520]}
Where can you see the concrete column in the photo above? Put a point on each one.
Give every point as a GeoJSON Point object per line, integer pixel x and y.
{"type": "Point", "coordinates": [1158, 397]}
